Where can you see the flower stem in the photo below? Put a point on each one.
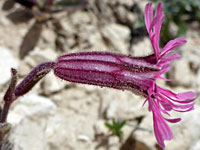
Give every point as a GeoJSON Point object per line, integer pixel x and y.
{"type": "Point", "coordinates": [4, 113]}
{"type": "Point", "coordinates": [9, 97]}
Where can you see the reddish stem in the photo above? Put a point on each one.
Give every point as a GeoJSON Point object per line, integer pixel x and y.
{"type": "Point", "coordinates": [4, 113]}
{"type": "Point", "coordinates": [9, 97]}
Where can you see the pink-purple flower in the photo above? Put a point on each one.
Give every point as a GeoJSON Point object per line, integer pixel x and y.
{"type": "Point", "coordinates": [161, 100]}
{"type": "Point", "coordinates": [137, 74]}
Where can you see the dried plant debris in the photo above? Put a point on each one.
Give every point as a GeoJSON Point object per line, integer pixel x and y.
{"type": "Point", "coordinates": [133, 144]}
{"type": "Point", "coordinates": [31, 39]}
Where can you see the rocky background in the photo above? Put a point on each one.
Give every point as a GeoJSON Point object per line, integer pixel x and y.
{"type": "Point", "coordinates": [58, 115]}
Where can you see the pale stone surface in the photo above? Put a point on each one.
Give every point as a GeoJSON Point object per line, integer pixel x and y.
{"type": "Point", "coordinates": [30, 118]}
{"type": "Point", "coordinates": [52, 83]}
{"type": "Point", "coordinates": [28, 134]}
{"type": "Point", "coordinates": [116, 36]}
{"type": "Point", "coordinates": [31, 105]}
{"type": "Point", "coordinates": [100, 127]}
{"type": "Point", "coordinates": [39, 55]}
{"type": "Point", "coordinates": [195, 146]}
{"type": "Point", "coordinates": [7, 61]}
{"type": "Point", "coordinates": [48, 36]}
{"type": "Point", "coordinates": [142, 48]}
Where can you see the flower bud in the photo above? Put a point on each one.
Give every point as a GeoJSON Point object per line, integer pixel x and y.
{"type": "Point", "coordinates": [33, 77]}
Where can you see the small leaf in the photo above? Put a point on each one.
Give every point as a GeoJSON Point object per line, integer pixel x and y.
{"type": "Point", "coordinates": [116, 127]}
{"type": "Point", "coordinates": [109, 126]}
{"type": "Point", "coordinates": [114, 122]}
{"type": "Point", "coordinates": [122, 124]}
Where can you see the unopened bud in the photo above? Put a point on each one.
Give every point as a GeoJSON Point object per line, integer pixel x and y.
{"type": "Point", "coordinates": [33, 77]}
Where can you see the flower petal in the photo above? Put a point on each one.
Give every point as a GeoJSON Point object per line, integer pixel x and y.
{"type": "Point", "coordinates": [168, 59]}
{"type": "Point", "coordinates": [186, 95]}
{"type": "Point", "coordinates": [159, 13]}
{"type": "Point", "coordinates": [173, 120]}
{"type": "Point", "coordinates": [172, 45]}
{"type": "Point", "coordinates": [161, 129]}
{"type": "Point", "coordinates": [148, 15]}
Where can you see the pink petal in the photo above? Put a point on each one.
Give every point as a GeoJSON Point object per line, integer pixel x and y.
{"type": "Point", "coordinates": [144, 102]}
{"type": "Point", "coordinates": [172, 45]}
{"type": "Point", "coordinates": [154, 22]}
{"type": "Point", "coordinates": [154, 25]}
{"type": "Point", "coordinates": [159, 12]}
{"type": "Point", "coordinates": [186, 95]}
{"type": "Point", "coordinates": [165, 79]}
{"type": "Point", "coordinates": [154, 42]}
{"type": "Point", "coordinates": [183, 107]}
{"type": "Point", "coordinates": [161, 129]}
{"type": "Point", "coordinates": [164, 111]}
{"type": "Point", "coordinates": [157, 27]}
{"type": "Point", "coordinates": [192, 108]}
{"type": "Point", "coordinates": [184, 101]}
{"type": "Point", "coordinates": [166, 92]}
{"type": "Point", "coordinates": [148, 15]}
{"type": "Point", "coordinates": [173, 120]}
{"type": "Point", "coordinates": [158, 135]}
{"type": "Point", "coordinates": [164, 69]}
{"type": "Point", "coordinates": [166, 106]}
{"type": "Point", "coordinates": [168, 59]}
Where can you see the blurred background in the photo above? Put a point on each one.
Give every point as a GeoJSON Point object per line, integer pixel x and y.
{"type": "Point", "coordinates": [59, 115]}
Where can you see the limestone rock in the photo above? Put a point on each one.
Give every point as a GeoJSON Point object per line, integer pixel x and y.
{"type": "Point", "coordinates": [116, 36]}
{"type": "Point", "coordinates": [53, 84]}
{"type": "Point", "coordinates": [28, 135]}
{"type": "Point", "coordinates": [29, 118]}
{"type": "Point", "coordinates": [6, 62]}
{"type": "Point", "coordinates": [33, 106]}
{"type": "Point", "coordinates": [195, 146]}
